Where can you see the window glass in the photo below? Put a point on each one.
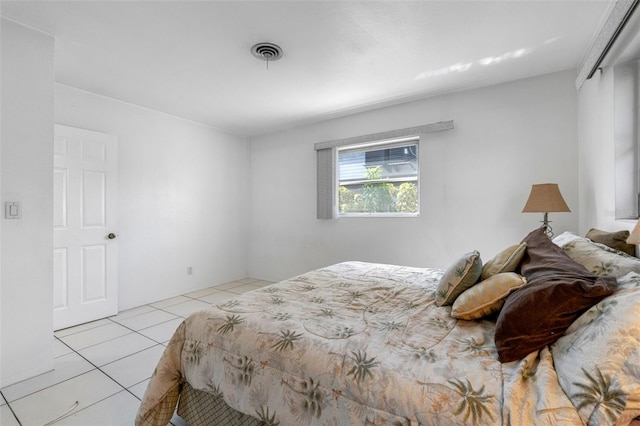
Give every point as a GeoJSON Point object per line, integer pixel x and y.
{"type": "Point", "coordinates": [379, 178]}
{"type": "Point", "coordinates": [626, 113]}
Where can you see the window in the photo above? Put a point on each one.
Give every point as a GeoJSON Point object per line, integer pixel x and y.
{"type": "Point", "coordinates": [617, 48]}
{"type": "Point", "coordinates": [372, 175]}
{"type": "Point", "coordinates": [626, 139]}
{"type": "Point", "coordinates": [378, 178]}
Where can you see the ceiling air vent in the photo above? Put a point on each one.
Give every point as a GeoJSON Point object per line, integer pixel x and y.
{"type": "Point", "coordinates": [267, 52]}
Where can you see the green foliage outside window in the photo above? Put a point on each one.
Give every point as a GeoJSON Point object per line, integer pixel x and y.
{"type": "Point", "coordinates": [379, 197]}
{"type": "Point", "coordinates": [407, 201]}
{"type": "Point", "coordinates": [349, 201]}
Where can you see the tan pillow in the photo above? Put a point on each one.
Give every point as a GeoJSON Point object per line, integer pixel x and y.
{"type": "Point", "coordinates": [616, 240]}
{"type": "Point", "coordinates": [487, 296]}
{"type": "Point", "coordinates": [461, 275]}
{"type": "Point", "coordinates": [505, 261]}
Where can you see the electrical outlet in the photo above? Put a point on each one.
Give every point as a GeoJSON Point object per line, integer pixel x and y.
{"type": "Point", "coordinates": [190, 270]}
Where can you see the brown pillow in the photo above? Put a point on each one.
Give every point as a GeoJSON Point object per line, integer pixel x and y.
{"type": "Point", "coordinates": [558, 291]}
{"type": "Point", "coordinates": [616, 240]}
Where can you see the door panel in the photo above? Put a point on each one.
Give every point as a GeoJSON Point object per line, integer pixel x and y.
{"type": "Point", "coordinates": [60, 283]}
{"type": "Point", "coordinates": [94, 270]}
{"type": "Point", "coordinates": [60, 178]}
{"type": "Point", "coordinates": [85, 211]}
{"type": "Point", "coordinates": [93, 199]}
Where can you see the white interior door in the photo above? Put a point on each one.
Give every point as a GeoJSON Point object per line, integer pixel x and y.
{"type": "Point", "coordinates": [85, 249]}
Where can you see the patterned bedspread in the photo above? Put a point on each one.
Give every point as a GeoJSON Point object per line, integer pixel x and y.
{"type": "Point", "coordinates": [354, 344]}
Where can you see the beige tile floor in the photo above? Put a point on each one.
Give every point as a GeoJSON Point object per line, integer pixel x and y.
{"type": "Point", "coordinates": [105, 365]}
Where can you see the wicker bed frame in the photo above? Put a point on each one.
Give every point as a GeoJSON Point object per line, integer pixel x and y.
{"type": "Point", "coordinates": [200, 408]}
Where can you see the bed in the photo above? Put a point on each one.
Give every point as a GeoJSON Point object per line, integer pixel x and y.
{"type": "Point", "coordinates": [373, 344]}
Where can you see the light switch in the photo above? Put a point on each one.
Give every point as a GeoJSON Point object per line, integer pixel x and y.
{"type": "Point", "coordinates": [12, 210]}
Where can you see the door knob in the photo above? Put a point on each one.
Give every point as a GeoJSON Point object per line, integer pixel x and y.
{"type": "Point", "coordinates": [111, 236]}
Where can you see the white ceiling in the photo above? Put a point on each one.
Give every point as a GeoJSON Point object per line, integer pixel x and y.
{"type": "Point", "coordinates": [192, 58]}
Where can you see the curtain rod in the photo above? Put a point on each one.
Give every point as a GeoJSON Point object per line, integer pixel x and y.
{"type": "Point", "coordinates": [606, 38]}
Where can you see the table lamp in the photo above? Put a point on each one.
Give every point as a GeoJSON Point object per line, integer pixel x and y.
{"type": "Point", "coordinates": [545, 198]}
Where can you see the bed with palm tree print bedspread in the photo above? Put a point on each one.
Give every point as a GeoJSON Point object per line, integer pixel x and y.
{"type": "Point", "coordinates": [364, 344]}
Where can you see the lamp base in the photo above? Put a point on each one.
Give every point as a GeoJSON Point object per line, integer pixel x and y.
{"type": "Point", "coordinates": [545, 224]}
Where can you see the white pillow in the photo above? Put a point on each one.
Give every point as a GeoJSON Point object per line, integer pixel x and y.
{"type": "Point", "coordinates": [599, 259]}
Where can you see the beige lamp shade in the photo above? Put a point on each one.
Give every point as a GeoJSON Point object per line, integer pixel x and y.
{"type": "Point", "coordinates": [634, 237]}
{"type": "Point", "coordinates": [545, 198]}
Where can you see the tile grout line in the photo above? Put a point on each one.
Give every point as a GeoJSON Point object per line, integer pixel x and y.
{"type": "Point", "coordinates": [138, 331]}
{"type": "Point", "coordinates": [183, 295]}
{"type": "Point", "coordinates": [95, 367]}
{"type": "Point", "coordinates": [99, 343]}
{"type": "Point", "coordinates": [114, 380]}
{"type": "Point", "coordinates": [80, 331]}
{"type": "Point", "coordinates": [123, 388]}
{"type": "Point", "coordinates": [216, 289]}
{"type": "Point", "coordinates": [15, 416]}
{"type": "Point", "coordinates": [192, 299]}
{"type": "Point", "coordinates": [121, 325]}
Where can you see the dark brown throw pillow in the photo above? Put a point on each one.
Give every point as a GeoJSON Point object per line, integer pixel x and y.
{"type": "Point", "coordinates": [616, 240]}
{"type": "Point", "coordinates": [558, 291]}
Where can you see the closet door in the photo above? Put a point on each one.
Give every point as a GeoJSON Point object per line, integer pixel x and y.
{"type": "Point", "coordinates": [84, 226]}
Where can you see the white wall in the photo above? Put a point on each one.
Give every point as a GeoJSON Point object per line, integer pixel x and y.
{"type": "Point", "coordinates": [26, 330]}
{"type": "Point", "coordinates": [182, 197]}
{"type": "Point", "coordinates": [475, 180]}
